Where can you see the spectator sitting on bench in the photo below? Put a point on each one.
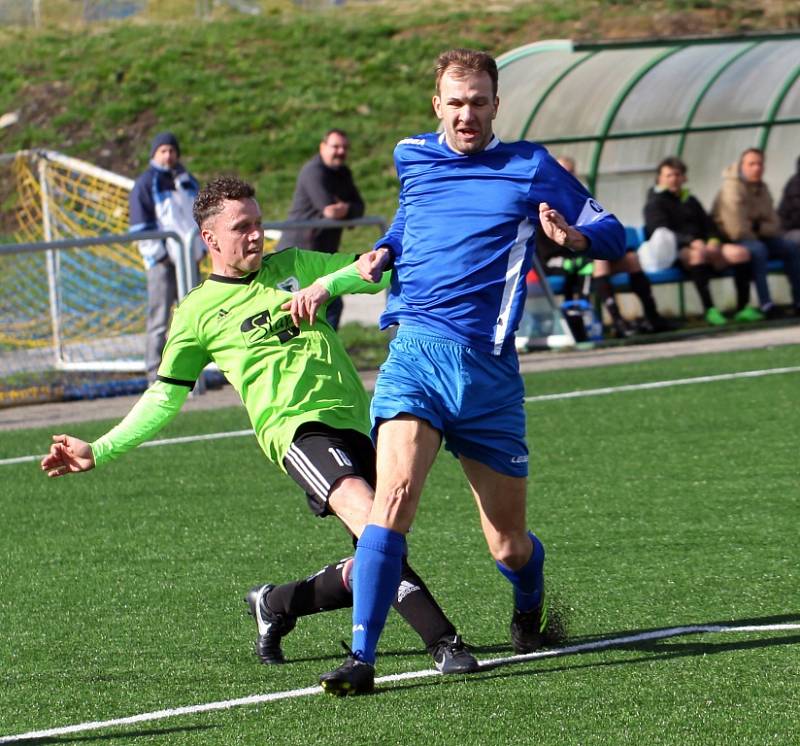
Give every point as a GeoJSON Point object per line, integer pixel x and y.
{"type": "Point", "coordinates": [601, 280]}
{"type": "Point", "coordinates": [745, 213]}
{"type": "Point", "coordinates": [670, 205]}
{"type": "Point", "coordinates": [789, 208]}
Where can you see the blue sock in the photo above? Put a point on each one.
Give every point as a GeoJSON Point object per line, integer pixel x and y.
{"type": "Point", "coordinates": [528, 581]}
{"type": "Point", "coordinates": [376, 576]}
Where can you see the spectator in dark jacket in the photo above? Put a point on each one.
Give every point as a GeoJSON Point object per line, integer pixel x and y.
{"type": "Point", "coordinates": [325, 189]}
{"type": "Point", "coordinates": [789, 208]}
{"type": "Point", "coordinates": [671, 205]}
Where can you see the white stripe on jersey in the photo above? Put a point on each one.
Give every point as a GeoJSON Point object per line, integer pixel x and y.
{"type": "Point", "coordinates": [300, 461]}
{"type": "Point", "coordinates": [515, 259]}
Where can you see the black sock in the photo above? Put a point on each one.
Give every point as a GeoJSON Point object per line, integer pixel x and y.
{"type": "Point", "coordinates": [644, 291]}
{"type": "Point", "coordinates": [418, 607]}
{"type": "Point", "coordinates": [327, 591]}
{"type": "Point", "coordinates": [742, 275]}
{"type": "Point", "coordinates": [323, 591]}
{"type": "Point", "coordinates": [700, 275]}
{"type": "Point", "coordinates": [602, 286]}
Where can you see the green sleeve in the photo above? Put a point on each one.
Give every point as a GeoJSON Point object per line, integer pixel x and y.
{"type": "Point", "coordinates": [158, 405]}
{"type": "Point", "coordinates": [348, 280]}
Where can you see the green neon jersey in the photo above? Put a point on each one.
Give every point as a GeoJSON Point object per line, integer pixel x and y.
{"type": "Point", "coordinates": [285, 375]}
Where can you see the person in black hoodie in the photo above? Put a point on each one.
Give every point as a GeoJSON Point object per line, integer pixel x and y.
{"type": "Point", "coordinates": [789, 207]}
{"type": "Point", "coordinates": [670, 205]}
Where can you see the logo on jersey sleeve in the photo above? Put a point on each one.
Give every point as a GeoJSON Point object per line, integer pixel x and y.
{"type": "Point", "coordinates": [259, 328]}
{"type": "Point", "coordinates": [592, 212]}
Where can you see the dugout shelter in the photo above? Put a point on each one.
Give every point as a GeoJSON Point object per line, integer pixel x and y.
{"type": "Point", "coordinates": [618, 108]}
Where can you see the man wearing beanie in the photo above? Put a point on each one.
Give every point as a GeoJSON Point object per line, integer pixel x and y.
{"type": "Point", "coordinates": [162, 199]}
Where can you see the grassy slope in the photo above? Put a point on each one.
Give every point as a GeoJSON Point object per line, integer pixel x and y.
{"type": "Point", "coordinates": [252, 95]}
{"type": "Point", "coordinates": [677, 506]}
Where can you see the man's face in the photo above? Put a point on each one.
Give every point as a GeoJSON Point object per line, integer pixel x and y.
{"type": "Point", "coordinates": [334, 150]}
{"type": "Point", "coordinates": [752, 167]}
{"type": "Point", "coordinates": [671, 179]}
{"type": "Point", "coordinates": [466, 107]}
{"type": "Point", "coordinates": [165, 156]}
{"type": "Point", "coordinates": [235, 238]}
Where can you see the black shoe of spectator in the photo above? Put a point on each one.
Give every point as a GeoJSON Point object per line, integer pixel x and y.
{"type": "Point", "coordinates": [656, 324]}
{"type": "Point", "coordinates": [621, 328]}
{"type": "Point", "coordinates": [773, 312]}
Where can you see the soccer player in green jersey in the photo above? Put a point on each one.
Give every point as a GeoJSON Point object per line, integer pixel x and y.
{"type": "Point", "coordinates": [305, 400]}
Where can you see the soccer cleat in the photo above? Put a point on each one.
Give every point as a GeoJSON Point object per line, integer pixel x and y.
{"type": "Point", "coordinates": [272, 627]}
{"type": "Point", "coordinates": [528, 628]}
{"type": "Point", "coordinates": [748, 313]}
{"type": "Point", "coordinates": [715, 318]}
{"type": "Point", "coordinates": [451, 656]}
{"type": "Point", "coordinates": [354, 676]}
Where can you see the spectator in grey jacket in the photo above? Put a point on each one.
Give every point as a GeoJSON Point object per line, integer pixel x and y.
{"type": "Point", "coordinates": [325, 189]}
{"type": "Point", "coordinates": [161, 200]}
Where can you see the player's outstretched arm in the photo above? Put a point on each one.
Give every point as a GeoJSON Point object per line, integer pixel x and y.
{"type": "Point", "coordinates": [68, 455]}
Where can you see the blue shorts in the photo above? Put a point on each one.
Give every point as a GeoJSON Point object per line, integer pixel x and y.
{"type": "Point", "coordinates": [475, 399]}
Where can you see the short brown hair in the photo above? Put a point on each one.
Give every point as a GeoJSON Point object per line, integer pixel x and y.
{"type": "Point", "coordinates": [334, 131]}
{"type": "Point", "coordinates": [462, 62]}
{"type": "Point", "coordinates": [757, 151]}
{"type": "Point", "coordinates": [672, 162]}
{"type": "Point", "coordinates": [212, 196]}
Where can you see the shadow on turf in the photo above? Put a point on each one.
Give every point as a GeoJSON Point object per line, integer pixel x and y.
{"type": "Point", "coordinates": [121, 734]}
{"type": "Point", "coordinates": [659, 649]}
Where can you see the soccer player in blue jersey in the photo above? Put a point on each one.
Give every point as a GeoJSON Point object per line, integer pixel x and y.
{"type": "Point", "coordinates": [461, 244]}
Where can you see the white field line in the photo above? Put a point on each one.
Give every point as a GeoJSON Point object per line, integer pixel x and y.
{"type": "Point", "coordinates": [255, 699]}
{"type": "Point", "coordinates": [543, 397]}
{"type": "Point", "coordinates": [663, 384]}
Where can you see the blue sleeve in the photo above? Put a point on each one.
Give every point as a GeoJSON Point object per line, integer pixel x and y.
{"type": "Point", "coordinates": [563, 192]}
{"type": "Point", "coordinates": [393, 238]}
{"type": "Point", "coordinates": [142, 210]}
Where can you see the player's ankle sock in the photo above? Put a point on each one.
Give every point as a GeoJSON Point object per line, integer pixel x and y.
{"type": "Point", "coordinates": [417, 606]}
{"type": "Point", "coordinates": [376, 576]}
{"type": "Point", "coordinates": [528, 580]}
{"type": "Point", "coordinates": [325, 590]}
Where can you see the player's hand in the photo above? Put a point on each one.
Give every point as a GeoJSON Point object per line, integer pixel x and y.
{"type": "Point", "coordinates": [305, 303]}
{"type": "Point", "coordinates": [557, 230]}
{"type": "Point", "coordinates": [67, 455]}
{"type": "Point", "coordinates": [370, 265]}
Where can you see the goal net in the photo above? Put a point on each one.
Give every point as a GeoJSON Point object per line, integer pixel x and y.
{"type": "Point", "coordinates": [71, 321]}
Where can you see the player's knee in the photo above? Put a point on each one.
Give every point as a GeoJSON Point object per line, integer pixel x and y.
{"type": "Point", "coordinates": [513, 551]}
{"type": "Point", "coordinates": [351, 496]}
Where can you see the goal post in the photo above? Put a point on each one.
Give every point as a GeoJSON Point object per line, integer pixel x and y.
{"type": "Point", "coordinates": [73, 288]}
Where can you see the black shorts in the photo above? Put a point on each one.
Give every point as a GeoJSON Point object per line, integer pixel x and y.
{"type": "Point", "coordinates": [320, 455]}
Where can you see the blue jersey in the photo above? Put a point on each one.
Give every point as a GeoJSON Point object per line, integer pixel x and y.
{"type": "Point", "coordinates": [464, 234]}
